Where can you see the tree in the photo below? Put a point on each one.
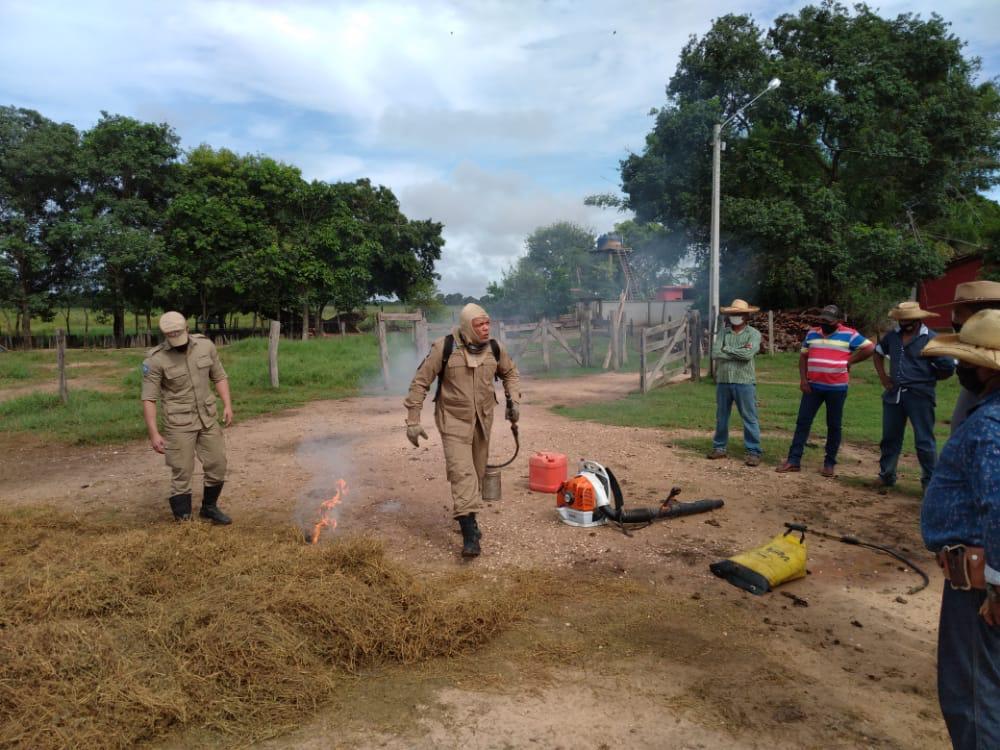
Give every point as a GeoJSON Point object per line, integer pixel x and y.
{"type": "Point", "coordinates": [129, 170]}
{"type": "Point", "coordinates": [213, 222]}
{"type": "Point", "coordinates": [558, 260]}
{"type": "Point", "coordinates": [37, 191]}
{"type": "Point", "coordinates": [878, 126]}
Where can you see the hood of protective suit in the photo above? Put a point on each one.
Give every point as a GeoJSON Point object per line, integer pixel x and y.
{"type": "Point", "coordinates": [474, 355]}
{"type": "Point", "coordinates": [469, 313]}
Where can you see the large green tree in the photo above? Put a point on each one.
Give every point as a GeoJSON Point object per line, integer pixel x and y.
{"type": "Point", "coordinates": [879, 126]}
{"type": "Point", "coordinates": [128, 170]}
{"type": "Point", "coordinates": [38, 187]}
{"type": "Point", "coordinates": [558, 260]}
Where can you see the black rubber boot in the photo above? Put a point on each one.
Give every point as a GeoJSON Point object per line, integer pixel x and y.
{"type": "Point", "coordinates": [210, 506]}
{"type": "Point", "coordinates": [181, 506]}
{"type": "Point", "coordinates": [470, 535]}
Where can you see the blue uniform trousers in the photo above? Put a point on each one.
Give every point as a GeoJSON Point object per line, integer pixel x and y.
{"type": "Point", "coordinates": [919, 409]}
{"type": "Point", "coordinates": [968, 671]}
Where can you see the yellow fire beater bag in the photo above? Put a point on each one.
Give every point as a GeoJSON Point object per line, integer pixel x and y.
{"type": "Point", "coordinates": [761, 569]}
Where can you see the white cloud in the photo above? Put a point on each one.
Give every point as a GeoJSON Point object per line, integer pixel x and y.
{"type": "Point", "coordinates": [487, 217]}
{"type": "Point", "coordinates": [492, 117]}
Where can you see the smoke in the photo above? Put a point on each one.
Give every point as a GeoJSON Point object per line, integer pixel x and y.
{"type": "Point", "coordinates": [328, 457]}
{"type": "Point", "coordinates": [403, 362]}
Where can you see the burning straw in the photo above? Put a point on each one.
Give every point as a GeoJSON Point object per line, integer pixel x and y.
{"type": "Point", "coordinates": [111, 636]}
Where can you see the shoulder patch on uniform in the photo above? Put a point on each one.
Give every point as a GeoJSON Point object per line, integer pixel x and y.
{"type": "Point", "coordinates": [145, 368]}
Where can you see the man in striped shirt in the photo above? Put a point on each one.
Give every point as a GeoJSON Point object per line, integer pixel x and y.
{"type": "Point", "coordinates": [824, 363]}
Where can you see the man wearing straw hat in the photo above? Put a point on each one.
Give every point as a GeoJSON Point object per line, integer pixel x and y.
{"type": "Point", "coordinates": [736, 381]}
{"type": "Point", "coordinates": [960, 522]}
{"type": "Point", "coordinates": [970, 298]}
{"type": "Point", "coordinates": [910, 391]}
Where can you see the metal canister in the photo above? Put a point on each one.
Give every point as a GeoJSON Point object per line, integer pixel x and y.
{"type": "Point", "coordinates": [491, 485]}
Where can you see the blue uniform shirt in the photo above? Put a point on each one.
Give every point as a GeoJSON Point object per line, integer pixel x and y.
{"type": "Point", "coordinates": [908, 370]}
{"type": "Point", "coordinates": [962, 502]}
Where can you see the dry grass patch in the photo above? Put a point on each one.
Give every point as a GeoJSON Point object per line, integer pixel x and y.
{"type": "Point", "coordinates": [111, 635]}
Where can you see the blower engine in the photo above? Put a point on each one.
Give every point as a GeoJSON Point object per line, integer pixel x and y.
{"type": "Point", "coordinates": [593, 497]}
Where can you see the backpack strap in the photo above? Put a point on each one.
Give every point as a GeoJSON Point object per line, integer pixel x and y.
{"type": "Point", "coordinates": [449, 347]}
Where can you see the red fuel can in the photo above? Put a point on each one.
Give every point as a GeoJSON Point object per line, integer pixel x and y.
{"type": "Point", "coordinates": [546, 471]}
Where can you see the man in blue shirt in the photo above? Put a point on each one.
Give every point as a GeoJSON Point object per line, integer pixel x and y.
{"type": "Point", "coordinates": [960, 521]}
{"type": "Point", "coordinates": [910, 391]}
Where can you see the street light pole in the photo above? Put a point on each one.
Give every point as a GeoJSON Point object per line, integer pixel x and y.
{"type": "Point", "coordinates": [713, 277]}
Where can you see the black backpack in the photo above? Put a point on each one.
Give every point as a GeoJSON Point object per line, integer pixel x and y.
{"type": "Point", "coordinates": [449, 347]}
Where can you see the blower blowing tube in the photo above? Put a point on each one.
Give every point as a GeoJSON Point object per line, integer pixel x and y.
{"type": "Point", "coordinates": [668, 509]}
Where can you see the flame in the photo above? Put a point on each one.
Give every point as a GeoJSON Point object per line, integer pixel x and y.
{"type": "Point", "coordinates": [325, 519]}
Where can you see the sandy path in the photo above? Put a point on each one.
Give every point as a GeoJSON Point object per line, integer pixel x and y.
{"type": "Point", "coordinates": [854, 668]}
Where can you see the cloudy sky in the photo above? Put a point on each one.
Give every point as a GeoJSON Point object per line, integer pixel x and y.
{"type": "Point", "coordinates": [491, 117]}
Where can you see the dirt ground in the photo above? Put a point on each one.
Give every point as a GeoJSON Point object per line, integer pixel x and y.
{"type": "Point", "coordinates": [642, 647]}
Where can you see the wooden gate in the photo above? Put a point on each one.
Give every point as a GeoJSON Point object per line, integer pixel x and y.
{"type": "Point", "coordinates": [667, 345]}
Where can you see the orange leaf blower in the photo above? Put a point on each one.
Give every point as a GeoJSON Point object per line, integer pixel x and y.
{"type": "Point", "coordinates": [593, 497]}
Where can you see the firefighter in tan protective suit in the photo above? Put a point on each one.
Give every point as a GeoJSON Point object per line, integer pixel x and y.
{"type": "Point", "coordinates": [463, 409]}
{"type": "Point", "coordinates": [179, 372]}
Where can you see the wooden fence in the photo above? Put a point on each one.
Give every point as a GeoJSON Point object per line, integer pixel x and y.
{"type": "Point", "coordinates": [667, 345]}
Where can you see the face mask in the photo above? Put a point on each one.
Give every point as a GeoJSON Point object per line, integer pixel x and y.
{"type": "Point", "coordinates": [956, 326]}
{"type": "Point", "coordinates": [907, 327]}
{"type": "Point", "coordinates": [182, 348]}
{"type": "Point", "coordinates": [828, 328]}
{"type": "Point", "coordinates": [968, 378]}
{"type": "Point", "coordinates": [735, 320]}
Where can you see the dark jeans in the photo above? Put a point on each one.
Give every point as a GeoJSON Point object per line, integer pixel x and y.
{"type": "Point", "coordinates": [968, 671]}
{"type": "Point", "coordinates": [808, 407]}
{"type": "Point", "coordinates": [919, 410]}
{"type": "Point", "coordinates": [744, 395]}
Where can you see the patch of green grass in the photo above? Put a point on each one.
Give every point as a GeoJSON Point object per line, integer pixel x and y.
{"type": "Point", "coordinates": [691, 405]}
{"type": "Point", "coordinates": [309, 370]}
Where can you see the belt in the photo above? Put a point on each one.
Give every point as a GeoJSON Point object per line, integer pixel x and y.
{"type": "Point", "coordinates": [964, 566]}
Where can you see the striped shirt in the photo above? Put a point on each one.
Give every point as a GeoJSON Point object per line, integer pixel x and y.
{"type": "Point", "coordinates": [826, 367]}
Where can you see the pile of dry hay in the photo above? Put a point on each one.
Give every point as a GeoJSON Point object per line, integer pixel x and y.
{"type": "Point", "coordinates": [111, 635]}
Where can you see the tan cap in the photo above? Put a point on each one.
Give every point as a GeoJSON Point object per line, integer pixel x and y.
{"type": "Point", "coordinates": [910, 311]}
{"type": "Point", "coordinates": [739, 306]}
{"type": "Point", "coordinates": [972, 292]}
{"type": "Point", "coordinates": [172, 322]}
{"type": "Point", "coordinates": [978, 343]}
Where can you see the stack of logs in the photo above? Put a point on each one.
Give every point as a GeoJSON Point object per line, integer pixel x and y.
{"type": "Point", "coordinates": [790, 328]}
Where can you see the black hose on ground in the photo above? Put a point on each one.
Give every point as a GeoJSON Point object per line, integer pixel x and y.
{"type": "Point", "coordinates": [854, 541]}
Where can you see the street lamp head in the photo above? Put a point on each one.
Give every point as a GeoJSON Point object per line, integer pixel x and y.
{"type": "Point", "coordinates": [773, 84]}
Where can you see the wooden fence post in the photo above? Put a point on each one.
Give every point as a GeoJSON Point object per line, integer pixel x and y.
{"type": "Point", "coordinates": [272, 351]}
{"type": "Point", "coordinates": [770, 331]}
{"type": "Point", "coordinates": [544, 325]}
{"type": "Point", "coordinates": [305, 321]}
{"type": "Point", "coordinates": [694, 322]}
{"type": "Point", "coordinates": [615, 330]}
{"type": "Point", "coordinates": [420, 337]}
{"type": "Point", "coordinates": [502, 334]}
{"type": "Point", "coordinates": [627, 331]}
{"type": "Point", "coordinates": [586, 342]}
{"type": "Point", "coordinates": [643, 386]}
{"type": "Point", "coordinates": [383, 349]}
{"type": "Point", "coordinates": [61, 364]}
{"type": "Point", "coordinates": [343, 327]}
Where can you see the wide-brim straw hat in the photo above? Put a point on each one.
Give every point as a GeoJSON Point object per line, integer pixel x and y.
{"type": "Point", "coordinates": [910, 311]}
{"type": "Point", "coordinates": [738, 307]}
{"type": "Point", "coordinates": [972, 292]}
{"type": "Point", "coordinates": [978, 343]}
